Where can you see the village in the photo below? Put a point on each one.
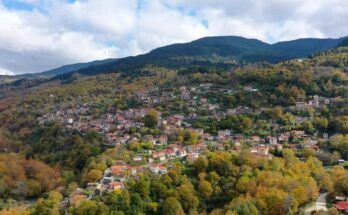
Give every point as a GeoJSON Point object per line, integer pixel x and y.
{"type": "Point", "coordinates": [122, 128]}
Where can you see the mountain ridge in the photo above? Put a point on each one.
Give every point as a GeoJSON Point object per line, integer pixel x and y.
{"type": "Point", "coordinates": [201, 50]}
{"type": "Point", "coordinates": [199, 53]}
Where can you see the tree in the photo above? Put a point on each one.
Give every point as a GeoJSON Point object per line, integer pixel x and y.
{"type": "Point", "coordinates": [171, 206]}
{"type": "Point", "coordinates": [321, 123]}
{"type": "Point", "coordinates": [308, 127]}
{"type": "Point", "coordinates": [94, 175]}
{"type": "Point", "coordinates": [340, 143]}
{"type": "Point", "coordinates": [48, 206]}
{"type": "Point", "coordinates": [150, 119]}
{"type": "Point", "coordinates": [205, 189]}
{"type": "Point", "coordinates": [86, 207]}
{"type": "Point", "coordinates": [341, 124]}
{"type": "Point", "coordinates": [276, 113]}
{"type": "Point", "coordinates": [200, 164]}
{"type": "Point", "coordinates": [142, 187]}
{"type": "Point", "coordinates": [243, 205]}
{"type": "Point", "coordinates": [187, 196]}
{"type": "Point", "coordinates": [341, 185]}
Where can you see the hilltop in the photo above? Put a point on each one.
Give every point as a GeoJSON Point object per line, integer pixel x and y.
{"type": "Point", "coordinates": [214, 52]}
{"type": "Point", "coordinates": [210, 52]}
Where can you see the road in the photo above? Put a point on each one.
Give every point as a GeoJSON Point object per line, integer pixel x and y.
{"type": "Point", "coordinates": [320, 204]}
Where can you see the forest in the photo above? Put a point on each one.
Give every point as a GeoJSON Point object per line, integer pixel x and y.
{"type": "Point", "coordinates": [45, 165]}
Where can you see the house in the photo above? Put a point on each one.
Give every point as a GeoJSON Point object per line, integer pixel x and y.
{"type": "Point", "coordinates": [118, 171]}
{"type": "Point", "coordinates": [342, 206]}
{"type": "Point", "coordinates": [185, 95]}
{"type": "Point", "coordinates": [219, 146]}
{"type": "Point", "coordinates": [206, 86]}
{"type": "Point", "coordinates": [120, 163]}
{"type": "Point", "coordinates": [231, 111]}
{"type": "Point", "coordinates": [192, 157]}
{"type": "Point", "coordinates": [272, 140]}
{"type": "Point", "coordinates": [301, 105]}
{"type": "Point", "coordinates": [326, 101]}
{"type": "Point", "coordinates": [70, 121]}
{"type": "Point", "coordinates": [256, 138]}
{"type": "Point", "coordinates": [116, 185]}
{"type": "Point", "coordinates": [204, 101]}
{"type": "Point", "coordinates": [181, 153]}
{"type": "Point", "coordinates": [260, 150]}
{"type": "Point", "coordinates": [157, 169]}
{"type": "Point", "coordinates": [197, 148]}
{"type": "Point", "coordinates": [163, 139]}
{"type": "Point", "coordinates": [340, 198]}
{"type": "Point", "coordinates": [193, 116]}
{"type": "Point", "coordinates": [161, 155]}
{"type": "Point", "coordinates": [313, 103]}
{"type": "Point", "coordinates": [170, 153]}
{"type": "Point", "coordinates": [249, 89]}
{"type": "Point", "coordinates": [297, 133]}
{"type": "Point", "coordinates": [207, 136]}
{"type": "Point", "coordinates": [135, 170]}
{"type": "Point", "coordinates": [284, 137]}
{"type": "Point", "coordinates": [278, 147]}
{"type": "Point", "coordinates": [341, 162]}
{"type": "Point", "coordinates": [175, 120]}
{"type": "Point", "coordinates": [224, 133]}
{"type": "Point", "coordinates": [137, 158]}
{"type": "Point", "coordinates": [150, 139]}
{"type": "Point", "coordinates": [199, 131]}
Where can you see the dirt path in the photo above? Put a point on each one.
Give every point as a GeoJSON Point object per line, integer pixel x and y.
{"type": "Point", "coordinates": [320, 204]}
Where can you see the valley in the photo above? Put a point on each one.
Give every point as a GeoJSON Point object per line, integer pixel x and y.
{"type": "Point", "coordinates": [250, 138]}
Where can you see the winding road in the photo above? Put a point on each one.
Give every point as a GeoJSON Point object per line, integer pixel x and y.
{"type": "Point", "coordinates": [320, 204]}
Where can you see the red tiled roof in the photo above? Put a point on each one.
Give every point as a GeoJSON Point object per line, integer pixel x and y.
{"type": "Point", "coordinates": [342, 205]}
{"type": "Point", "coordinates": [118, 169]}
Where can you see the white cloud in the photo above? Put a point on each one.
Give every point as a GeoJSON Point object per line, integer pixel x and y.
{"type": "Point", "coordinates": [58, 32]}
{"type": "Point", "coordinates": [5, 72]}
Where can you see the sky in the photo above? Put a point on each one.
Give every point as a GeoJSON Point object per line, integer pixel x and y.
{"type": "Point", "coordinates": [38, 35]}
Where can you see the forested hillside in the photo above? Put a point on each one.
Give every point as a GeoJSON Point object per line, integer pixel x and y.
{"type": "Point", "coordinates": [250, 138]}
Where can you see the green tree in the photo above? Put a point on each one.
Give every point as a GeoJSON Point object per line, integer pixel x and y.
{"type": "Point", "coordinates": [94, 175]}
{"type": "Point", "coordinates": [171, 206]}
{"type": "Point", "coordinates": [200, 164]}
{"type": "Point", "coordinates": [187, 196]}
{"type": "Point", "coordinates": [86, 207]}
{"type": "Point", "coordinates": [150, 119]}
{"type": "Point", "coordinates": [205, 189]}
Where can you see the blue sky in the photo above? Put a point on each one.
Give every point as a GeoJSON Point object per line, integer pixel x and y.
{"type": "Point", "coordinates": [37, 35]}
{"type": "Point", "coordinates": [17, 5]}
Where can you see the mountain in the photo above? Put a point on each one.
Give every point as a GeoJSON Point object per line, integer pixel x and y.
{"type": "Point", "coordinates": [344, 42]}
{"type": "Point", "coordinates": [303, 47]}
{"type": "Point", "coordinates": [4, 79]}
{"type": "Point", "coordinates": [74, 67]}
{"type": "Point", "coordinates": [222, 51]}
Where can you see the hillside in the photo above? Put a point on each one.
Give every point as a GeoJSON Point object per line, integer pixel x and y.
{"type": "Point", "coordinates": [242, 141]}
{"type": "Point", "coordinates": [344, 42]}
{"type": "Point", "coordinates": [219, 52]}
{"type": "Point", "coordinates": [223, 52]}
{"type": "Point", "coordinates": [74, 67]}
{"type": "Point", "coordinates": [304, 47]}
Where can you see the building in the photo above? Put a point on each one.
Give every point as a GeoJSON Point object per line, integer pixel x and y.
{"type": "Point", "coordinates": [272, 140]}
{"type": "Point", "coordinates": [192, 157]}
{"type": "Point", "coordinates": [342, 206]}
{"type": "Point", "coordinates": [301, 105]}
{"type": "Point", "coordinates": [157, 169]}
{"type": "Point", "coordinates": [137, 158]}
{"type": "Point", "coordinates": [163, 139]}
{"type": "Point", "coordinates": [116, 185]}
